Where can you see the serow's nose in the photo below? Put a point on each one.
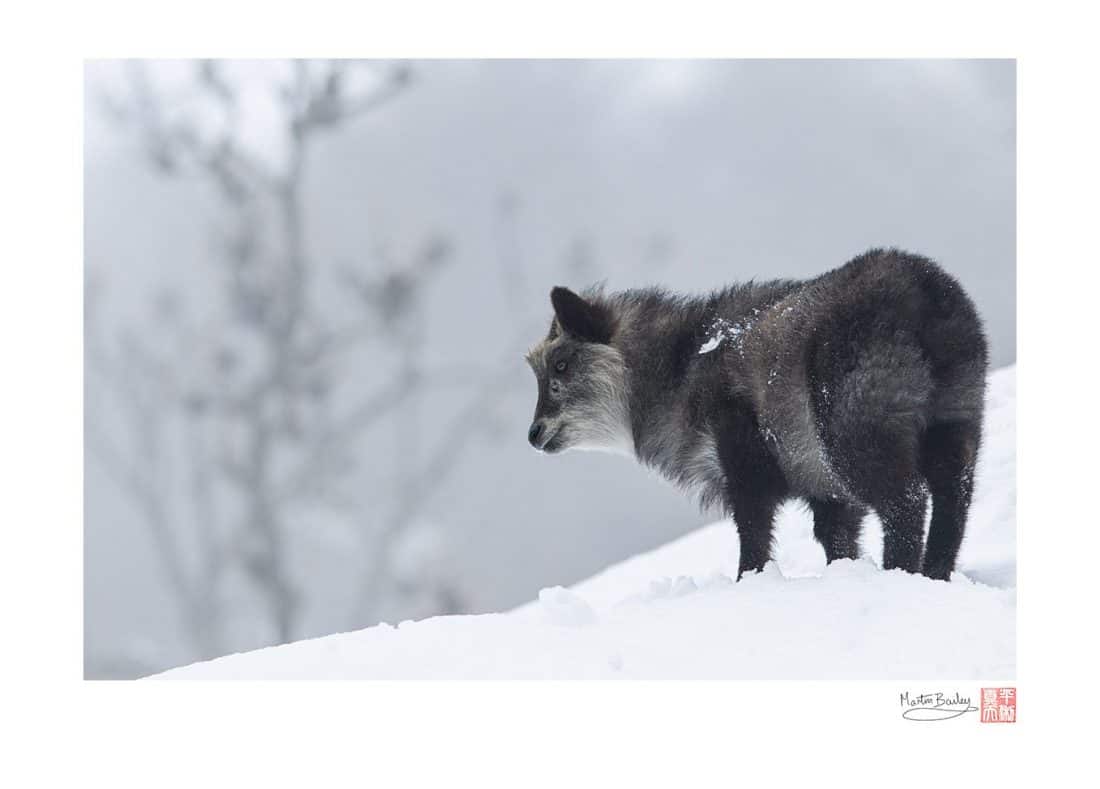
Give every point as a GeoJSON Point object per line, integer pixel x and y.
{"type": "Point", "coordinates": [534, 433]}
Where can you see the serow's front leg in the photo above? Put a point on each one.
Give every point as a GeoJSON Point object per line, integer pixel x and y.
{"type": "Point", "coordinates": [755, 519]}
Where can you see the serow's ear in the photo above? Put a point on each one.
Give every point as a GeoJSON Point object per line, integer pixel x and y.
{"type": "Point", "coordinates": [581, 319]}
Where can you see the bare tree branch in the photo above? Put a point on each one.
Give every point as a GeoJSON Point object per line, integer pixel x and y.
{"type": "Point", "coordinates": [263, 439]}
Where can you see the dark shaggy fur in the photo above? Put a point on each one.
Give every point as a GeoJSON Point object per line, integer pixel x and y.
{"type": "Point", "coordinates": [860, 389]}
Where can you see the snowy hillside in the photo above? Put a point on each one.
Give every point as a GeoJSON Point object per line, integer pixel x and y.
{"type": "Point", "coordinates": [674, 613]}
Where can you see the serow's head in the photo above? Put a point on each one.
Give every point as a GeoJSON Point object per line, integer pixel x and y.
{"type": "Point", "coordinates": [582, 397]}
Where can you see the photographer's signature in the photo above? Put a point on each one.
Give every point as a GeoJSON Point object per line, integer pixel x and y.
{"type": "Point", "coordinates": [934, 706]}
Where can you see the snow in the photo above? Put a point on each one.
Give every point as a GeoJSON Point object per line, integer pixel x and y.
{"type": "Point", "coordinates": [560, 606]}
{"type": "Point", "coordinates": [712, 343]}
{"type": "Point", "coordinates": [675, 612]}
{"type": "Point", "coordinates": [720, 331]}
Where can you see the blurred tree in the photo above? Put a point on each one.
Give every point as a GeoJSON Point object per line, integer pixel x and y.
{"type": "Point", "coordinates": [257, 394]}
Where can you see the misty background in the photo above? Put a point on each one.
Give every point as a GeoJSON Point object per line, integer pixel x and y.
{"type": "Point", "coordinates": [309, 287]}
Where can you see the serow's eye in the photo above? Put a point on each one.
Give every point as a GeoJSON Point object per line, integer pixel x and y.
{"type": "Point", "coordinates": [560, 366]}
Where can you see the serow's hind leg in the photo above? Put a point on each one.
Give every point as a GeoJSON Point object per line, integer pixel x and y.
{"type": "Point", "coordinates": [883, 469]}
{"type": "Point", "coordinates": [837, 527]}
{"type": "Point", "coordinates": [902, 516]}
{"type": "Point", "coordinates": [948, 457]}
{"type": "Point", "coordinates": [873, 420]}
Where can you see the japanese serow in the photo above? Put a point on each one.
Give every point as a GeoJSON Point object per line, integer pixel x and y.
{"type": "Point", "coordinates": [860, 389]}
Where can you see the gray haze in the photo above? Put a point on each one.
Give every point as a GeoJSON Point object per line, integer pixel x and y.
{"type": "Point", "coordinates": [537, 173]}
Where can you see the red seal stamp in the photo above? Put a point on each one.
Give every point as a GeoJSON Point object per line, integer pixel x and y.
{"type": "Point", "coordinates": [998, 705]}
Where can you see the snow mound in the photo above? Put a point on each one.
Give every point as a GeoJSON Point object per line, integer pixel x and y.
{"type": "Point", "coordinates": [560, 606]}
{"type": "Point", "coordinates": [676, 613]}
